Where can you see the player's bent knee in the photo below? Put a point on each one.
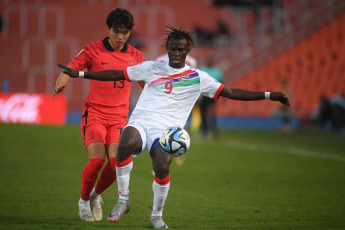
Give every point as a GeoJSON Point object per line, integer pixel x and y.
{"type": "Point", "coordinates": [124, 149]}
{"type": "Point", "coordinates": [161, 172]}
{"type": "Point", "coordinates": [130, 141]}
{"type": "Point", "coordinates": [161, 169]}
{"type": "Point", "coordinates": [127, 148]}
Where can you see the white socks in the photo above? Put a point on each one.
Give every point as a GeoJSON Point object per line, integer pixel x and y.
{"type": "Point", "coordinates": [84, 202]}
{"type": "Point", "coordinates": [122, 176]}
{"type": "Point", "coordinates": [160, 193]}
{"type": "Point", "coordinates": [94, 194]}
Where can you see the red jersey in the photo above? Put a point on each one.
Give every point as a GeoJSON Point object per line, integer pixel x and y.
{"type": "Point", "coordinates": [107, 99]}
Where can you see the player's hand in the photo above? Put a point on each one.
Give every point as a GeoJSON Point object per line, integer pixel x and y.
{"type": "Point", "coordinates": [69, 71]}
{"type": "Point", "coordinates": [279, 96]}
{"type": "Point", "coordinates": [56, 91]}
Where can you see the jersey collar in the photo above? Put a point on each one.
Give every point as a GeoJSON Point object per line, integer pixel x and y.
{"type": "Point", "coordinates": [177, 70]}
{"type": "Point", "coordinates": [109, 48]}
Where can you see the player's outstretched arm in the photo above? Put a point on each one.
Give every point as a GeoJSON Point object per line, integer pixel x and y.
{"type": "Point", "coordinates": [60, 84]}
{"type": "Point", "coordinates": [107, 75]}
{"type": "Point", "coordinates": [245, 95]}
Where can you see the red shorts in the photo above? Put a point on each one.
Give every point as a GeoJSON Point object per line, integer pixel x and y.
{"type": "Point", "coordinates": [95, 129]}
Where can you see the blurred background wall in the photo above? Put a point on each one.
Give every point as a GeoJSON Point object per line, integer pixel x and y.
{"type": "Point", "coordinates": [292, 45]}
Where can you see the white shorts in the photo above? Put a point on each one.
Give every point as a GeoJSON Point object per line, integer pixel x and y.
{"type": "Point", "coordinates": [149, 134]}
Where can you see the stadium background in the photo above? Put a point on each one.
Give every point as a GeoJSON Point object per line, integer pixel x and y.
{"type": "Point", "coordinates": [256, 46]}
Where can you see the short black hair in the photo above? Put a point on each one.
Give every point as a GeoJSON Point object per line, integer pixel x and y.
{"type": "Point", "coordinates": [172, 32]}
{"type": "Point", "coordinates": [119, 17]}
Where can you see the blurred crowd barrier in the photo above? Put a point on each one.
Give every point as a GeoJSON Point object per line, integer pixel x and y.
{"type": "Point", "coordinates": [32, 108]}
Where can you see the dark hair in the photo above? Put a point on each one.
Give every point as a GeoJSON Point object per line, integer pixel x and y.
{"type": "Point", "coordinates": [172, 32]}
{"type": "Point", "coordinates": [119, 17]}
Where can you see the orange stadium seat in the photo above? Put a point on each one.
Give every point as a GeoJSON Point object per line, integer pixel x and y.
{"type": "Point", "coordinates": [313, 67]}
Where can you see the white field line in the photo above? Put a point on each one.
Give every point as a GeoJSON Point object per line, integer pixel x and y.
{"type": "Point", "coordinates": [291, 150]}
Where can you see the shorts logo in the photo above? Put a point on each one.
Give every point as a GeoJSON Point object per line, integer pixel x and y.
{"type": "Point", "coordinates": [129, 63]}
{"type": "Point", "coordinates": [91, 135]}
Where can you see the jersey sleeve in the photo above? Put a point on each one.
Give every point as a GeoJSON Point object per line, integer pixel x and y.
{"type": "Point", "coordinates": [209, 86]}
{"type": "Point", "coordinates": [138, 72]}
{"type": "Point", "coordinates": [83, 59]}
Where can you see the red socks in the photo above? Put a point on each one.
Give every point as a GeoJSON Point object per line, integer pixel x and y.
{"type": "Point", "coordinates": [108, 176]}
{"type": "Point", "coordinates": [89, 177]}
{"type": "Point", "coordinates": [123, 163]}
{"type": "Point", "coordinates": [163, 181]}
{"type": "Point", "coordinates": [112, 161]}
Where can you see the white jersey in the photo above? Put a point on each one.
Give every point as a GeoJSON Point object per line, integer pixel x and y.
{"type": "Point", "coordinates": [169, 94]}
{"type": "Point", "coordinates": [189, 60]}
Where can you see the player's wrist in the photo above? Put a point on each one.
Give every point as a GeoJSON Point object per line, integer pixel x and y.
{"type": "Point", "coordinates": [268, 95]}
{"type": "Point", "coordinates": [81, 74]}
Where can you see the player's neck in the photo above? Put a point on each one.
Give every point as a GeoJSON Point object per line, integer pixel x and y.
{"type": "Point", "coordinates": [115, 47]}
{"type": "Point", "coordinates": [177, 67]}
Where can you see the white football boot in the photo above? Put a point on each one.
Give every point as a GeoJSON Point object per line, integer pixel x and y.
{"type": "Point", "coordinates": [96, 208]}
{"type": "Point", "coordinates": [157, 222]}
{"type": "Point", "coordinates": [120, 208]}
{"type": "Point", "coordinates": [85, 213]}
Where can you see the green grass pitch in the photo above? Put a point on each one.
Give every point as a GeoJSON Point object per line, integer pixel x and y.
{"type": "Point", "coordinates": [243, 180]}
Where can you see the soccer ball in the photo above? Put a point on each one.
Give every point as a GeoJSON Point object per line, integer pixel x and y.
{"type": "Point", "coordinates": [175, 141]}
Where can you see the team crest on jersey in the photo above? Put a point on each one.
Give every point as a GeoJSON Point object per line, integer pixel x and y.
{"type": "Point", "coordinates": [129, 63]}
{"type": "Point", "coordinates": [91, 135]}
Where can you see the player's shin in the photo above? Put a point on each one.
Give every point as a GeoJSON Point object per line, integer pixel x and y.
{"type": "Point", "coordinates": [107, 178]}
{"type": "Point", "coordinates": [123, 170]}
{"type": "Point", "coordinates": [89, 177]}
{"type": "Point", "coordinates": [160, 189]}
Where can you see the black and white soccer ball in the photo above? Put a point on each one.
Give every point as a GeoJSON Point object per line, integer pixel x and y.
{"type": "Point", "coordinates": [175, 141]}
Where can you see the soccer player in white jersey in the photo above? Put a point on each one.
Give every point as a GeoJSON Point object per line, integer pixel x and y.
{"type": "Point", "coordinates": [169, 94]}
{"type": "Point", "coordinates": [191, 61]}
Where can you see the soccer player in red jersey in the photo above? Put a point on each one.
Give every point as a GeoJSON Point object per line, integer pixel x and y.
{"type": "Point", "coordinates": [105, 111]}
